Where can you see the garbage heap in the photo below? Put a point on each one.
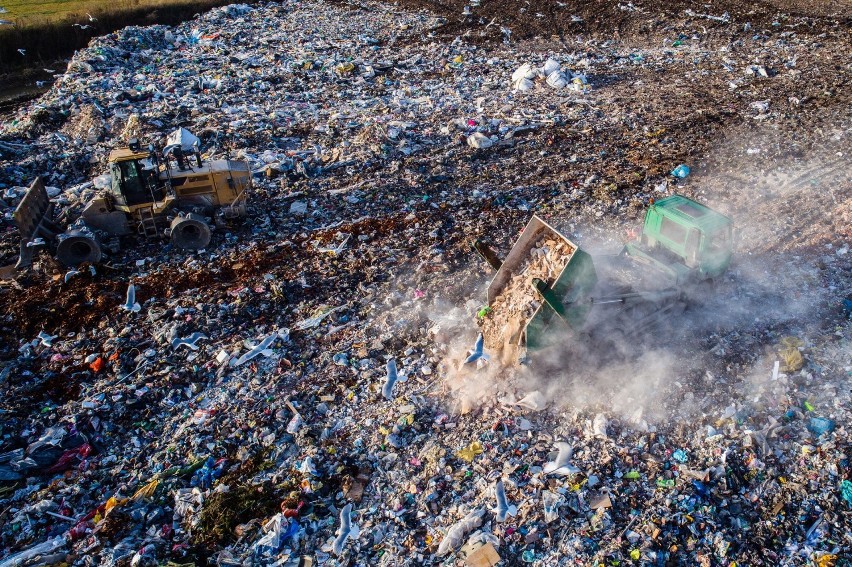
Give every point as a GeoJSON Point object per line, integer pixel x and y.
{"type": "Point", "coordinates": [280, 398]}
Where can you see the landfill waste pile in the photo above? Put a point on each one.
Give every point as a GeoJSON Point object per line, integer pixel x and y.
{"type": "Point", "coordinates": [296, 392]}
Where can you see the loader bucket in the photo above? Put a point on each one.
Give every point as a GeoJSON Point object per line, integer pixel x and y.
{"type": "Point", "coordinates": [523, 316]}
{"type": "Point", "coordinates": [33, 219]}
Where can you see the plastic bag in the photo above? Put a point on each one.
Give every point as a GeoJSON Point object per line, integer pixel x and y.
{"type": "Point", "coordinates": [456, 533]}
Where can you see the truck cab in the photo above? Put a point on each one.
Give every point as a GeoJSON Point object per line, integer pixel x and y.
{"type": "Point", "coordinates": [134, 181]}
{"type": "Point", "coordinates": [687, 240]}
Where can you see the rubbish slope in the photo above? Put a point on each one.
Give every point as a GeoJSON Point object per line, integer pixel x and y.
{"type": "Point", "coordinates": [285, 436]}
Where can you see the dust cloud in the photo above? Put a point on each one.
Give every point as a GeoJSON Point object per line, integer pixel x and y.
{"type": "Point", "coordinates": [774, 288]}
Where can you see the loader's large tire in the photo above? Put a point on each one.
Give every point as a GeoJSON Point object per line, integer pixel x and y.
{"type": "Point", "coordinates": [190, 232]}
{"type": "Point", "coordinates": [78, 248]}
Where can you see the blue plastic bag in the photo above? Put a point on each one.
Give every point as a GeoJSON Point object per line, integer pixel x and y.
{"type": "Point", "coordinates": [820, 425]}
{"type": "Point", "coordinates": [681, 171]}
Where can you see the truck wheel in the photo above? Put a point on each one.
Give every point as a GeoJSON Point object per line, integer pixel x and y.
{"type": "Point", "coordinates": [190, 232]}
{"type": "Point", "coordinates": [76, 249]}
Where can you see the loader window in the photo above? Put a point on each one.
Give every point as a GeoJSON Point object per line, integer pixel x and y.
{"type": "Point", "coordinates": [132, 185]}
{"type": "Point", "coordinates": [116, 185]}
{"type": "Point", "coordinates": [135, 185]}
{"type": "Point", "coordinates": [672, 231]}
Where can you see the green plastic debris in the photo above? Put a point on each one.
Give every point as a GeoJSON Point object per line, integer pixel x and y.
{"type": "Point", "coordinates": [632, 475]}
{"type": "Point", "coordinates": [846, 491]}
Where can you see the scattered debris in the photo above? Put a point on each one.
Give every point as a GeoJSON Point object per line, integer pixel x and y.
{"type": "Point", "coordinates": [287, 395]}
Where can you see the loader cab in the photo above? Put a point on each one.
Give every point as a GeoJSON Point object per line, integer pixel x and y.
{"type": "Point", "coordinates": [689, 233]}
{"type": "Point", "coordinates": [133, 180]}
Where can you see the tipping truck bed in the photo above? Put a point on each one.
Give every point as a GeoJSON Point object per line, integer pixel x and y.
{"type": "Point", "coordinates": [549, 291]}
{"type": "Point", "coordinates": [517, 316]}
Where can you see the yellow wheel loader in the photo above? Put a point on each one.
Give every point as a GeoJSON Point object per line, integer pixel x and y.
{"type": "Point", "coordinates": [170, 194]}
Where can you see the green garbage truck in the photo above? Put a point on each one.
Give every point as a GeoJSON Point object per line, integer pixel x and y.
{"type": "Point", "coordinates": [547, 286]}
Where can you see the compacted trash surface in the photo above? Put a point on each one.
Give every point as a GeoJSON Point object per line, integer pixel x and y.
{"type": "Point", "coordinates": [297, 392]}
